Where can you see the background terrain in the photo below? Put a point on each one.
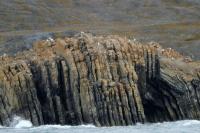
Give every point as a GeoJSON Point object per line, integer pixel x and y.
{"type": "Point", "coordinates": [172, 23]}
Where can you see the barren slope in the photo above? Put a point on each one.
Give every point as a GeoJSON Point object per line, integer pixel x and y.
{"type": "Point", "coordinates": [173, 23]}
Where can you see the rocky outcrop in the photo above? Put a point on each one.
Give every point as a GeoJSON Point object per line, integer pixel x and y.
{"type": "Point", "coordinates": [103, 80]}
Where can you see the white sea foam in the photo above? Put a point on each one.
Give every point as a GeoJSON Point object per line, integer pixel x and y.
{"type": "Point", "coordinates": [62, 126]}
{"type": "Point", "coordinates": [88, 126]}
{"type": "Point", "coordinates": [52, 127]}
{"type": "Point", "coordinates": [19, 122]}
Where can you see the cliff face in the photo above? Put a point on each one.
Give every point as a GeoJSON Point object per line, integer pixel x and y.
{"type": "Point", "coordinates": [104, 80]}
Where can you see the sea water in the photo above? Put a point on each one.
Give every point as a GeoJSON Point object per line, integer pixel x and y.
{"type": "Point", "coordinates": [23, 126]}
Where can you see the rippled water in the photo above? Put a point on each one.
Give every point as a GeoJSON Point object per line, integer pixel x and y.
{"type": "Point", "coordinates": [24, 126]}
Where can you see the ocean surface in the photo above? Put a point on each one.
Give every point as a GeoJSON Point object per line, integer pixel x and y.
{"type": "Point", "coordinates": [23, 126]}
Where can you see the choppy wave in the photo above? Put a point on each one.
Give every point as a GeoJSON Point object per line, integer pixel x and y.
{"type": "Point", "coordinates": [61, 127]}
{"type": "Point", "coordinates": [18, 122]}
{"type": "Point", "coordinates": [19, 125]}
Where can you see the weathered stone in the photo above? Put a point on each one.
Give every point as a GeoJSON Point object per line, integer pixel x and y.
{"type": "Point", "coordinates": [106, 81]}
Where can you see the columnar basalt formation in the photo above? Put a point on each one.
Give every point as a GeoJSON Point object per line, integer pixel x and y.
{"type": "Point", "coordinates": [103, 80]}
